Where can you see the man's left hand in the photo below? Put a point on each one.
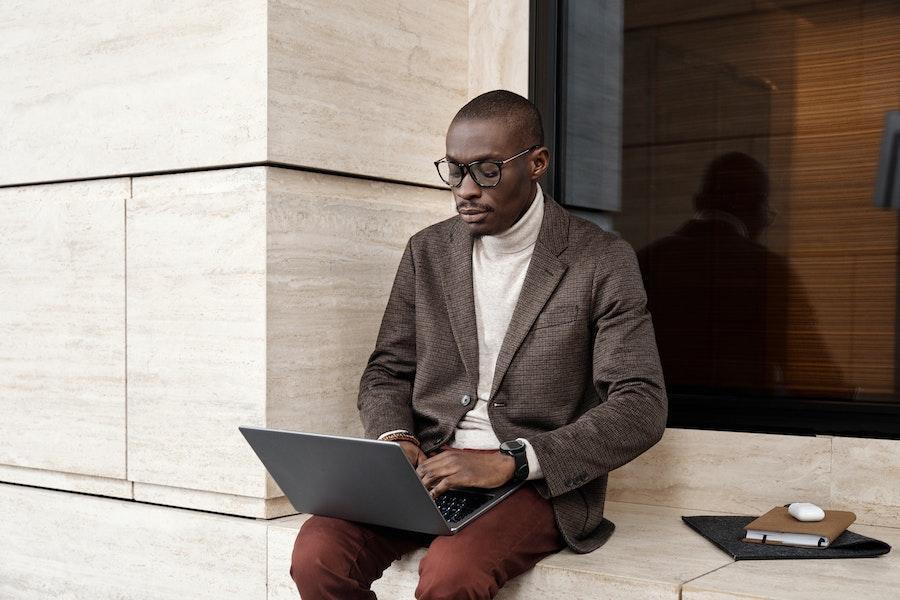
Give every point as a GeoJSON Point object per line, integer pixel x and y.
{"type": "Point", "coordinates": [454, 468]}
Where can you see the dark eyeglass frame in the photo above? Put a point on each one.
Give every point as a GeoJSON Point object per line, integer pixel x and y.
{"type": "Point", "coordinates": [465, 168]}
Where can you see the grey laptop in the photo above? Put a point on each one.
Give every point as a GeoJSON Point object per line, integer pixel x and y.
{"type": "Point", "coordinates": [364, 480]}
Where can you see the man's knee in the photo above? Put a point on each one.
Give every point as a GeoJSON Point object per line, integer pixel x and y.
{"type": "Point", "coordinates": [454, 578]}
{"type": "Point", "coordinates": [320, 551]}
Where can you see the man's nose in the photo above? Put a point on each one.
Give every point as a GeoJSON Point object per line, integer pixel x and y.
{"type": "Point", "coordinates": [468, 189]}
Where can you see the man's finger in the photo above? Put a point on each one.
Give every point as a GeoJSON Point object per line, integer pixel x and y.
{"type": "Point", "coordinates": [433, 466]}
{"type": "Point", "coordinates": [429, 475]}
{"type": "Point", "coordinates": [439, 459]}
{"type": "Point", "coordinates": [444, 485]}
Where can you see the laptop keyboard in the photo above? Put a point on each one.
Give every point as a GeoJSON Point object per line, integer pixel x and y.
{"type": "Point", "coordinates": [456, 505]}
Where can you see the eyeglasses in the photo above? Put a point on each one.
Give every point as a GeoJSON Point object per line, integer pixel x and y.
{"type": "Point", "coordinates": [486, 173]}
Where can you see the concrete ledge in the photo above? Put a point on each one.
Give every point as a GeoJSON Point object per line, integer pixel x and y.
{"type": "Point", "coordinates": [651, 555]}
{"type": "Point", "coordinates": [231, 504]}
{"type": "Point", "coordinates": [85, 546]}
{"type": "Point", "coordinates": [67, 545]}
{"type": "Point", "coordinates": [688, 468]}
{"type": "Point", "coordinates": [73, 482]}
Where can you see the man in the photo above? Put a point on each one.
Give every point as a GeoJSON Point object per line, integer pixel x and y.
{"type": "Point", "coordinates": [511, 321]}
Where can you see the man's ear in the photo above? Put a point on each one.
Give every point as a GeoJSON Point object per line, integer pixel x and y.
{"type": "Point", "coordinates": [539, 163]}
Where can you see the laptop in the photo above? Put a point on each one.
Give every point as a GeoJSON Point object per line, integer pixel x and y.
{"type": "Point", "coordinates": [368, 481]}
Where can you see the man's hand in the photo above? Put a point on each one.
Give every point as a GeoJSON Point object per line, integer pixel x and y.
{"type": "Point", "coordinates": [453, 468]}
{"type": "Point", "coordinates": [413, 452]}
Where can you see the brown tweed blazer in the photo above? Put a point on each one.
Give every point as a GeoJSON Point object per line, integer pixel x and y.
{"type": "Point", "coordinates": [578, 373]}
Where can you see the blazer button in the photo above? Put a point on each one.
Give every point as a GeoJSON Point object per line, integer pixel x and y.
{"type": "Point", "coordinates": [465, 400]}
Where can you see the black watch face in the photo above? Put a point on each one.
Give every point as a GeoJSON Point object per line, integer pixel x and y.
{"type": "Point", "coordinates": [512, 445]}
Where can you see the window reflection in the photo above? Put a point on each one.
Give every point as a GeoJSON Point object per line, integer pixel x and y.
{"type": "Point", "coordinates": [717, 295]}
{"type": "Point", "coordinates": [734, 112]}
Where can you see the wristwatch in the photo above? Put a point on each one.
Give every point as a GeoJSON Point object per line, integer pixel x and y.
{"type": "Point", "coordinates": [516, 449]}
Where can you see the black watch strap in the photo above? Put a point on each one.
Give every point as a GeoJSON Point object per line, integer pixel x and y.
{"type": "Point", "coordinates": [516, 449]}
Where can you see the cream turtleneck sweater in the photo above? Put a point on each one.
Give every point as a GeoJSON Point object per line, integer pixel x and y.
{"type": "Point", "coordinates": [499, 263]}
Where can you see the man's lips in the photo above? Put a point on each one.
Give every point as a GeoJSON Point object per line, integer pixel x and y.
{"type": "Point", "coordinates": [471, 215]}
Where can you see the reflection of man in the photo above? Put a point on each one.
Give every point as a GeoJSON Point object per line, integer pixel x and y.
{"type": "Point", "coordinates": [719, 298]}
{"type": "Point", "coordinates": [515, 323]}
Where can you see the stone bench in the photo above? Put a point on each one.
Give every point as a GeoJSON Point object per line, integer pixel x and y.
{"type": "Point", "coordinates": [86, 546]}
{"type": "Point", "coordinates": [652, 554]}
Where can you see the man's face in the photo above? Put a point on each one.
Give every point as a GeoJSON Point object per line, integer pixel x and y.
{"type": "Point", "coordinates": [489, 211]}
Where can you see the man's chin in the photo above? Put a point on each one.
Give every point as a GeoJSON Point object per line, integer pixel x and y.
{"type": "Point", "coordinates": [481, 225]}
{"type": "Point", "coordinates": [479, 229]}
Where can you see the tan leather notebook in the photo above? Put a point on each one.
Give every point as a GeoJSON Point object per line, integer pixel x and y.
{"type": "Point", "coordinates": [778, 527]}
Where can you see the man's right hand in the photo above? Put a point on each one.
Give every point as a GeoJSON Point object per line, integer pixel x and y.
{"type": "Point", "coordinates": [413, 452]}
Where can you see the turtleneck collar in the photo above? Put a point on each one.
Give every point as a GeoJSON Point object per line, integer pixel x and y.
{"type": "Point", "coordinates": [522, 234]}
{"type": "Point", "coordinates": [713, 214]}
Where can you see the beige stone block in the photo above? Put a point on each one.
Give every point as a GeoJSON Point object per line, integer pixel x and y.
{"type": "Point", "coordinates": [65, 545]}
{"type": "Point", "coordinates": [669, 552]}
{"type": "Point", "coordinates": [197, 329]}
{"type": "Point", "coordinates": [334, 245]}
{"type": "Point", "coordinates": [230, 504]}
{"type": "Point", "coordinates": [806, 579]}
{"type": "Point", "coordinates": [86, 484]}
{"type": "Point", "coordinates": [866, 479]}
{"type": "Point", "coordinates": [254, 298]}
{"type": "Point", "coordinates": [62, 326]}
{"type": "Point", "coordinates": [498, 46]}
{"type": "Point", "coordinates": [743, 473]}
{"type": "Point", "coordinates": [651, 553]}
{"type": "Point", "coordinates": [365, 87]}
{"type": "Point", "coordinates": [281, 535]}
{"type": "Point", "coordinates": [106, 88]}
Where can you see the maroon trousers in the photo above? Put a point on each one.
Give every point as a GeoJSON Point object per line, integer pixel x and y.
{"type": "Point", "coordinates": [339, 559]}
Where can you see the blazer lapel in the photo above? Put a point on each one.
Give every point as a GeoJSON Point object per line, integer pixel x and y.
{"type": "Point", "coordinates": [460, 297]}
{"type": "Point", "coordinates": [545, 270]}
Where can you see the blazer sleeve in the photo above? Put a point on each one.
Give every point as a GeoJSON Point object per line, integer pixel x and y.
{"type": "Point", "coordinates": [385, 389]}
{"type": "Point", "coordinates": [627, 375]}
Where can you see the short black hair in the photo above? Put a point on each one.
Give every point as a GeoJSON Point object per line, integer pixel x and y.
{"type": "Point", "coordinates": [521, 115]}
{"type": "Point", "coordinates": [733, 181]}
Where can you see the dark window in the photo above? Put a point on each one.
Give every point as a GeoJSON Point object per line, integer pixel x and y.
{"type": "Point", "coordinates": [736, 145]}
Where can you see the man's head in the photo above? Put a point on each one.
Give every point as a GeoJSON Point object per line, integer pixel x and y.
{"type": "Point", "coordinates": [737, 183]}
{"type": "Point", "coordinates": [497, 125]}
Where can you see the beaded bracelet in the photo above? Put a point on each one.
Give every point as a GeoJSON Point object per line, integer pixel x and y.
{"type": "Point", "coordinates": [401, 437]}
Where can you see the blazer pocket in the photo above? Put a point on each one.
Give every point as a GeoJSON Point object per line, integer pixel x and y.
{"type": "Point", "coordinates": [558, 315]}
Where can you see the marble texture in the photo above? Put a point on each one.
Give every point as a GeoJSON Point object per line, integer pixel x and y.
{"type": "Point", "coordinates": [196, 298]}
{"type": "Point", "coordinates": [254, 298]}
{"type": "Point", "coordinates": [57, 480]}
{"type": "Point", "coordinates": [650, 555]}
{"type": "Point", "coordinates": [333, 247]}
{"type": "Point", "coordinates": [739, 472]}
{"type": "Point", "coordinates": [806, 579]}
{"type": "Point", "coordinates": [866, 479]}
{"type": "Point", "coordinates": [74, 546]}
{"type": "Point", "coordinates": [62, 326]}
{"type": "Point", "coordinates": [229, 504]}
{"type": "Point", "coordinates": [365, 87]}
{"type": "Point", "coordinates": [106, 88]}
{"type": "Point", "coordinates": [498, 46]}
{"type": "Point", "coordinates": [68, 545]}
{"type": "Point", "coordinates": [280, 543]}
